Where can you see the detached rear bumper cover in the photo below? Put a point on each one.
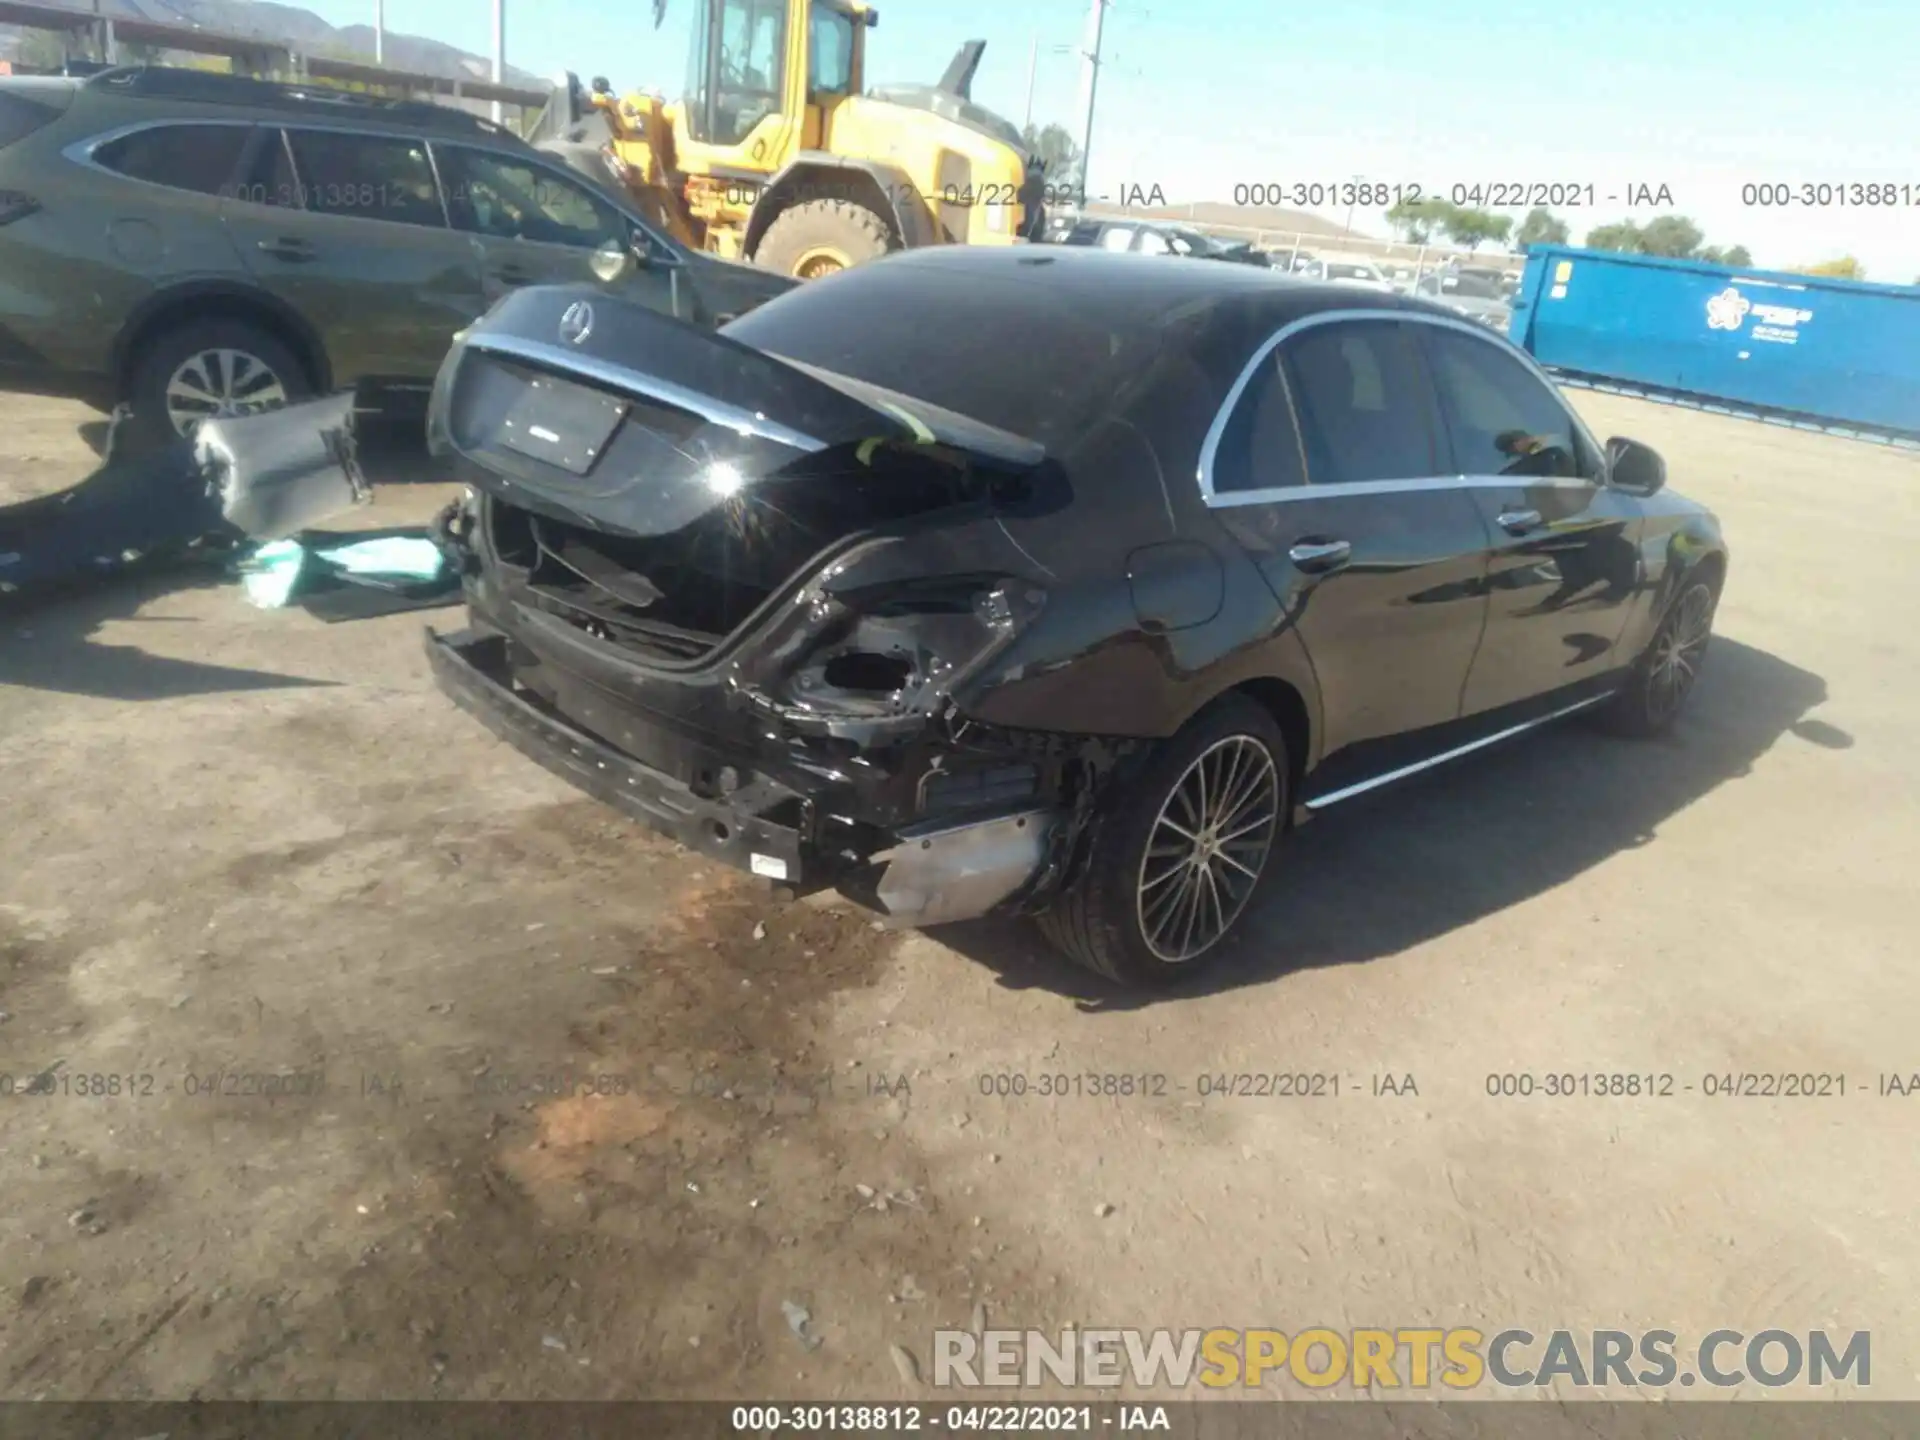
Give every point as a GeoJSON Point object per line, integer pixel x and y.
{"type": "Point", "coordinates": [470, 666]}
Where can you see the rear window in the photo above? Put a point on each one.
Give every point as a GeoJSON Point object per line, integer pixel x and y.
{"type": "Point", "coordinates": [21, 115]}
{"type": "Point", "coordinates": [200, 158]}
{"type": "Point", "coordinates": [916, 331]}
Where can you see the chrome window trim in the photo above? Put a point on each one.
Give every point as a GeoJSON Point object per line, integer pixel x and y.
{"type": "Point", "coordinates": [1388, 777]}
{"type": "Point", "coordinates": [716, 412]}
{"type": "Point", "coordinates": [1210, 446]}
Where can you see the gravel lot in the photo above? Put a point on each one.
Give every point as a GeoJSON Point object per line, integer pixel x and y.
{"type": "Point", "coordinates": [246, 843]}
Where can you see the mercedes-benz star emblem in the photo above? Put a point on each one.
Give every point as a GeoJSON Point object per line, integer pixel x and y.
{"type": "Point", "coordinates": [577, 323]}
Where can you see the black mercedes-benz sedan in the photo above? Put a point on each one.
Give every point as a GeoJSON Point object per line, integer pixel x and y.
{"type": "Point", "coordinates": [1042, 580]}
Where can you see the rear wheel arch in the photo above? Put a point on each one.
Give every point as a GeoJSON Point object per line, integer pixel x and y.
{"type": "Point", "coordinates": [188, 304]}
{"type": "Point", "coordinates": [1284, 702]}
{"type": "Point", "coordinates": [1712, 568]}
{"type": "Point", "coordinates": [807, 181]}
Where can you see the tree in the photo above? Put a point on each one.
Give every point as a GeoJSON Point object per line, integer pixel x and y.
{"type": "Point", "coordinates": [1472, 227]}
{"type": "Point", "coordinates": [1417, 220]}
{"type": "Point", "coordinates": [1845, 268]}
{"type": "Point", "coordinates": [40, 50]}
{"type": "Point", "coordinates": [1059, 152]}
{"type": "Point", "coordinates": [1541, 227]}
{"type": "Point", "coordinates": [1734, 255]}
{"type": "Point", "coordinates": [1624, 236]}
{"type": "Point", "coordinates": [1673, 236]}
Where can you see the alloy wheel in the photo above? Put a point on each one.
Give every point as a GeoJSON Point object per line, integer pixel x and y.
{"type": "Point", "coordinates": [1678, 652]}
{"type": "Point", "coordinates": [214, 384]}
{"type": "Point", "coordinates": [1207, 847]}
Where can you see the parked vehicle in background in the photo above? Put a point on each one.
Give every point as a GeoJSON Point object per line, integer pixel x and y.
{"type": "Point", "coordinates": [1076, 633]}
{"type": "Point", "coordinates": [1146, 237]}
{"type": "Point", "coordinates": [1478, 294]}
{"type": "Point", "coordinates": [1403, 278]}
{"type": "Point", "coordinates": [782, 152]}
{"type": "Point", "coordinates": [1362, 273]}
{"type": "Point", "coordinates": [194, 244]}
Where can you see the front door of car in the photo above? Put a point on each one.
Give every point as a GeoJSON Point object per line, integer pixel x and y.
{"type": "Point", "coordinates": [1565, 556]}
{"type": "Point", "coordinates": [1328, 469]}
{"type": "Point", "coordinates": [531, 224]}
{"type": "Point", "coordinates": [348, 228]}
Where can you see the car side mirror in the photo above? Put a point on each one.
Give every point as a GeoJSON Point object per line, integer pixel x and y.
{"type": "Point", "coordinates": [1635, 467]}
{"type": "Point", "coordinates": [612, 261]}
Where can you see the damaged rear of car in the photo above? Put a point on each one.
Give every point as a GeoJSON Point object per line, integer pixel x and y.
{"type": "Point", "coordinates": [744, 599]}
{"type": "Point", "coordinates": [896, 641]}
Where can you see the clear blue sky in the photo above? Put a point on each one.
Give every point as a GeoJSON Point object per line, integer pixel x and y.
{"type": "Point", "coordinates": [1198, 96]}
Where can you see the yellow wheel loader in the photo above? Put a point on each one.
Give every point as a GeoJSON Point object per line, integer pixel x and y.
{"type": "Point", "coordinates": [775, 154]}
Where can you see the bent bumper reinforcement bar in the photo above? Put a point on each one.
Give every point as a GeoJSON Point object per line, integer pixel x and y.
{"type": "Point", "coordinates": [470, 666]}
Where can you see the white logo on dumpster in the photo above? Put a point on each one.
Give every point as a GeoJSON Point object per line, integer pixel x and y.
{"type": "Point", "coordinates": [1726, 310]}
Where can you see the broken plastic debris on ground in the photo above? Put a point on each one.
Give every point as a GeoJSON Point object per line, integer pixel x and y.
{"type": "Point", "coordinates": [258, 478]}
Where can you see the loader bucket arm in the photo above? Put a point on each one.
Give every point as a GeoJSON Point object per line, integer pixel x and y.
{"type": "Point", "coordinates": [960, 70]}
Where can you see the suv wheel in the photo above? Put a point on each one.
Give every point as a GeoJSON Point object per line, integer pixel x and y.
{"type": "Point", "coordinates": [207, 369]}
{"type": "Point", "coordinates": [1178, 853]}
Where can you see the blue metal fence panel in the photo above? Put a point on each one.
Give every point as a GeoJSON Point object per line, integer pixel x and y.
{"type": "Point", "coordinates": [1836, 352]}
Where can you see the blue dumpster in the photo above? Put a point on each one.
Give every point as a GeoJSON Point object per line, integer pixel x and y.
{"type": "Point", "coordinates": [1843, 354]}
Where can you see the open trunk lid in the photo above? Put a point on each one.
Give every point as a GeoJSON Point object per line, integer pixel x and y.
{"type": "Point", "coordinates": [630, 421]}
{"type": "Point", "coordinates": [654, 484]}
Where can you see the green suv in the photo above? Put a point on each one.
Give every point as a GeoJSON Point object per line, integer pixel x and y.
{"type": "Point", "coordinates": [192, 244]}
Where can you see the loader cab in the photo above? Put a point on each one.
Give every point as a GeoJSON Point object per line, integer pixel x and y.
{"type": "Point", "coordinates": [760, 72]}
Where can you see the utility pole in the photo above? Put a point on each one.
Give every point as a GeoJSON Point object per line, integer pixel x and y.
{"type": "Point", "coordinates": [499, 52]}
{"type": "Point", "coordinates": [1033, 63]}
{"type": "Point", "coordinates": [379, 32]}
{"type": "Point", "coordinates": [1089, 83]}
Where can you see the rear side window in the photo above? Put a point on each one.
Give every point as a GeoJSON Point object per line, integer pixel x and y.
{"type": "Point", "coordinates": [1503, 420]}
{"type": "Point", "coordinates": [1260, 447]}
{"type": "Point", "coordinates": [371, 177]}
{"type": "Point", "coordinates": [1364, 404]}
{"type": "Point", "coordinates": [200, 158]}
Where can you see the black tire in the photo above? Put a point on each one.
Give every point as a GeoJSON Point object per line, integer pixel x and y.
{"type": "Point", "coordinates": [1102, 921]}
{"type": "Point", "coordinates": [160, 355]}
{"type": "Point", "coordinates": [1663, 677]}
{"type": "Point", "coordinates": [820, 236]}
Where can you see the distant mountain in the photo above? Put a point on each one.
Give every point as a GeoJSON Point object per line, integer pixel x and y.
{"type": "Point", "coordinates": [305, 31]}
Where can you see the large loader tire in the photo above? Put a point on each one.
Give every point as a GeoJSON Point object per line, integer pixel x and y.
{"type": "Point", "coordinates": [822, 236]}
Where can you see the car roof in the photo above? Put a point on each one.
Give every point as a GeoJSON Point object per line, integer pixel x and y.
{"type": "Point", "coordinates": [316, 102]}
{"type": "Point", "coordinates": [1133, 290]}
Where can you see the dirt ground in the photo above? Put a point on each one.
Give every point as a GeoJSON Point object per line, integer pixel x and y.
{"type": "Point", "coordinates": [244, 844]}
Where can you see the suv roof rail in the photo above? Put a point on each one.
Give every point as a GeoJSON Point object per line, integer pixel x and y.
{"type": "Point", "coordinates": [208, 87]}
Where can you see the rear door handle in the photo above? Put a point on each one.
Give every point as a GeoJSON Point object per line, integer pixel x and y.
{"type": "Point", "coordinates": [289, 249]}
{"type": "Point", "coordinates": [1316, 556]}
{"type": "Point", "coordinates": [1518, 522]}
